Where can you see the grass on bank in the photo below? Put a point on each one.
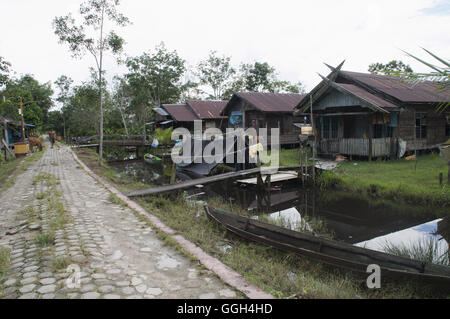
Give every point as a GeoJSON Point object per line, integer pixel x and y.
{"type": "Point", "coordinates": [415, 181]}
{"type": "Point", "coordinates": [4, 266]}
{"type": "Point", "coordinates": [11, 169]}
{"type": "Point", "coordinates": [428, 250]}
{"type": "Point", "coordinates": [281, 274]}
{"type": "Point", "coordinates": [90, 158]}
{"type": "Point", "coordinates": [399, 179]}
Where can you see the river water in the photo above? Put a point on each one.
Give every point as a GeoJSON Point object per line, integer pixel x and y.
{"type": "Point", "coordinates": [346, 217]}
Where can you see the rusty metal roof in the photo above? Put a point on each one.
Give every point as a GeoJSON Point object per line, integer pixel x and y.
{"type": "Point", "coordinates": [272, 102]}
{"type": "Point", "coordinates": [422, 92]}
{"type": "Point", "coordinates": [207, 109]}
{"type": "Point", "coordinates": [180, 112]}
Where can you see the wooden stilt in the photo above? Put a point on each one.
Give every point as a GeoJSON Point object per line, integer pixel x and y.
{"type": "Point", "coordinates": [173, 174]}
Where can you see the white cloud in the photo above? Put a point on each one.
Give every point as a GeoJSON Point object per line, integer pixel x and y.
{"type": "Point", "coordinates": [294, 36]}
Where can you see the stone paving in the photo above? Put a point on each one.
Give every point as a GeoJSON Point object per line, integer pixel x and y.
{"type": "Point", "coordinates": [113, 253]}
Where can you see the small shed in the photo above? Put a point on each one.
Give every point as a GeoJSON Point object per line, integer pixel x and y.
{"type": "Point", "coordinates": [181, 115]}
{"type": "Point", "coordinates": [375, 115]}
{"type": "Point", "coordinates": [209, 112]}
{"type": "Point", "coordinates": [184, 115]}
{"type": "Point", "coordinates": [265, 110]}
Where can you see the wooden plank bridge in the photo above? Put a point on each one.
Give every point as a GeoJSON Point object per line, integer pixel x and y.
{"type": "Point", "coordinates": [208, 180]}
{"type": "Point", "coordinates": [112, 140]}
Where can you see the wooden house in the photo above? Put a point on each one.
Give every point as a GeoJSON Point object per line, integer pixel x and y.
{"type": "Point", "coordinates": [184, 115]}
{"type": "Point", "coordinates": [210, 112]}
{"type": "Point", "coordinates": [180, 115]}
{"type": "Point", "coordinates": [359, 114]}
{"type": "Point", "coordinates": [265, 110]}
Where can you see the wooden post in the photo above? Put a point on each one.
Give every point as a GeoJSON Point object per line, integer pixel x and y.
{"type": "Point", "coordinates": [6, 139]}
{"type": "Point", "coordinates": [441, 177]}
{"type": "Point", "coordinates": [306, 163]}
{"type": "Point", "coordinates": [7, 148]}
{"type": "Point", "coordinates": [448, 176]}
{"type": "Point", "coordinates": [300, 172]}
{"type": "Point", "coordinates": [174, 174]}
{"type": "Point", "coordinates": [370, 138]}
{"type": "Point", "coordinates": [315, 140]}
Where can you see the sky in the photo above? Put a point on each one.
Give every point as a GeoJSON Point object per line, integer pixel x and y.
{"type": "Point", "coordinates": [294, 36]}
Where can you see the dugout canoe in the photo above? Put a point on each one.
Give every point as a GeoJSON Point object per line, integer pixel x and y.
{"type": "Point", "coordinates": [152, 159]}
{"type": "Point", "coordinates": [331, 252]}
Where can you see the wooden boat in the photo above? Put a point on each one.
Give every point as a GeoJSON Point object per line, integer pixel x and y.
{"type": "Point", "coordinates": [152, 159]}
{"type": "Point", "coordinates": [332, 252]}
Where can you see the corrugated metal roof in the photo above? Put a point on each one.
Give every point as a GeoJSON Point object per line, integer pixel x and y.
{"type": "Point", "coordinates": [207, 109]}
{"type": "Point", "coordinates": [5, 119]}
{"type": "Point", "coordinates": [369, 97]}
{"type": "Point", "coordinates": [160, 111]}
{"type": "Point", "coordinates": [402, 90]}
{"type": "Point", "coordinates": [180, 112]}
{"type": "Point", "coordinates": [272, 102]}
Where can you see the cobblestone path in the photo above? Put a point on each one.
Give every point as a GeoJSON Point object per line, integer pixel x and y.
{"type": "Point", "coordinates": [118, 255]}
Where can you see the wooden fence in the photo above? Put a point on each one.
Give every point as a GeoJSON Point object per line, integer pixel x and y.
{"type": "Point", "coordinates": [359, 146]}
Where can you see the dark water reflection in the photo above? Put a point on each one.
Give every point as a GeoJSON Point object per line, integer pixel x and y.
{"type": "Point", "coordinates": [350, 218]}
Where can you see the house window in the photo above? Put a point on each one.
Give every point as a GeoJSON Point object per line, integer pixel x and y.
{"type": "Point", "coordinates": [421, 125]}
{"type": "Point", "coordinates": [382, 131]}
{"type": "Point", "coordinates": [330, 127]}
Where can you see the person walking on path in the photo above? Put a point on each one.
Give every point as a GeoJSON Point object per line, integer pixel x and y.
{"type": "Point", "coordinates": [51, 136]}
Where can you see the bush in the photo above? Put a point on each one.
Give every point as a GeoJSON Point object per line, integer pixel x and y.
{"type": "Point", "coordinates": [164, 137]}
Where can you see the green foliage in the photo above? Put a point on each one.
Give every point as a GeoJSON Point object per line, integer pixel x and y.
{"type": "Point", "coordinates": [5, 261]}
{"type": "Point", "coordinates": [60, 263]}
{"type": "Point", "coordinates": [410, 181]}
{"type": "Point", "coordinates": [63, 84]}
{"type": "Point", "coordinates": [261, 77]}
{"type": "Point", "coordinates": [56, 122]}
{"type": "Point", "coordinates": [440, 75]}
{"type": "Point", "coordinates": [427, 250]}
{"type": "Point", "coordinates": [392, 68]}
{"type": "Point", "coordinates": [164, 137]}
{"type": "Point", "coordinates": [37, 98]}
{"type": "Point", "coordinates": [44, 239]}
{"type": "Point", "coordinates": [155, 77]}
{"type": "Point", "coordinates": [95, 13]}
{"type": "Point", "coordinates": [217, 73]}
{"type": "Point", "coordinates": [4, 71]}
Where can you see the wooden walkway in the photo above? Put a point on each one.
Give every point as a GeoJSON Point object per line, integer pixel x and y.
{"type": "Point", "coordinates": [208, 180]}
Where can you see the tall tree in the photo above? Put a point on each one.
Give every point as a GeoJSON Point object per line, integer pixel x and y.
{"type": "Point", "coordinates": [80, 110]}
{"type": "Point", "coordinates": [27, 89]}
{"type": "Point", "coordinates": [155, 78]}
{"type": "Point", "coordinates": [392, 68]}
{"type": "Point", "coordinates": [261, 77]}
{"type": "Point", "coordinates": [216, 73]}
{"type": "Point", "coordinates": [4, 71]}
{"type": "Point", "coordinates": [63, 84]}
{"type": "Point", "coordinates": [95, 14]}
{"type": "Point", "coordinates": [121, 99]}
{"type": "Point", "coordinates": [161, 71]}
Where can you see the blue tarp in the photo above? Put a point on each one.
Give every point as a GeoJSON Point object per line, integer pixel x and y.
{"type": "Point", "coordinates": [236, 118]}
